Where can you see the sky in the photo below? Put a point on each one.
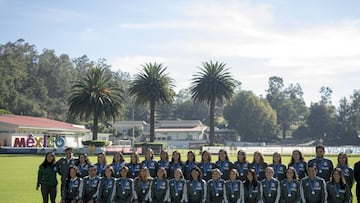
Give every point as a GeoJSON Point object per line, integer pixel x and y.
{"type": "Point", "coordinates": [311, 42]}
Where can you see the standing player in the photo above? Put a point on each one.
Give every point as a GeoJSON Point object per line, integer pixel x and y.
{"type": "Point", "coordinates": [164, 160]}
{"type": "Point", "coordinates": [299, 163]}
{"type": "Point", "coordinates": [123, 190]}
{"type": "Point", "coordinates": [346, 169]}
{"type": "Point", "coordinates": [83, 164]}
{"type": "Point", "coordinates": [101, 164]}
{"type": "Point", "coordinates": [290, 187]}
{"type": "Point", "coordinates": [241, 165]}
{"type": "Point", "coordinates": [64, 164]}
{"type": "Point", "coordinates": [337, 189]}
{"type": "Point", "coordinates": [271, 187]}
{"type": "Point", "coordinates": [150, 163]}
{"type": "Point", "coordinates": [196, 187]}
{"type": "Point", "coordinates": [223, 163]}
{"type": "Point", "coordinates": [177, 188]}
{"type": "Point", "coordinates": [313, 188]}
{"type": "Point", "coordinates": [190, 163]}
{"type": "Point", "coordinates": [106, 186]}
{"type": "Point", "coordinates": [175, 163]}
{"type": "Point", "coordinates": [134, 165]}
{"type": "Point", "coordinates": [142, 186]}
{"type": "Point", "coordinates": [357, 179]}
{"type": "Point", "coordinates": [159, 188]}
{"type": "Point", "coordinates": [252, 188]}
{"type": "Point", "coordinates": [279, 168]}
{"type": "Point", "coordinates": [117, 163]}
{"type": "Point", "coordinates": [259, 165]}
{"type": "Point", "coordinates": [47, 178]}
{"type": "Point", "coordinates": [234, 190]}
{"type": "Point", "coordinates": [323, 165]}
{"type": "Point", "coordinates": [73, 188]}
{"type": "Point", "coordinates": [91, 183]}
{"type": "Point", "coordinates": [215, 187]}
{"type": "Point", "coordinates": [206, 166]}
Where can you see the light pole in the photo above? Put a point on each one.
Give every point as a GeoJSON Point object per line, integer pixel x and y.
{"type": "Point", "coordinates": [133, 130]}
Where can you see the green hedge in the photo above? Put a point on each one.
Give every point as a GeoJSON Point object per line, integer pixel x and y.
{"type": "Point", "coordinates": [96, 143]}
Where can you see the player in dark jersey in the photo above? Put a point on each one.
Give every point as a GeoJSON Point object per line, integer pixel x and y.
{"type": "Point", "coordinates": [299, 163]}
{"type": "Point", "coordinates": [91, 184]}
{"type": "Point", "coordinates": [150, 163]}
{"type": "Point", "coordinates": [241, 165]}
{"type": "Point", "coordinates": [64, 164]}
{"type": "Point", "coordinates": [134, 165]}
{"type": "Point", "coordinates": [47, 178]}
{"type": "Point", "coordinates": [279, 168]}
{"type": "Point", "coordinates": [323, 165]}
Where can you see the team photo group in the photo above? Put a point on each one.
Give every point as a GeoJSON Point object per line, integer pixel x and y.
{"type": "Point", "coordinates": [318, 180]}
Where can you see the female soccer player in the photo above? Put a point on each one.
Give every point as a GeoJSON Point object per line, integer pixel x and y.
{"type": "Point", "coordinates": [150, 163]}
{"type": "Point", "coordinates": [224, 164]}
{"type": "Point", "coordinates": [234, 191]}
{"type": "Point", "coordinates": [164, 160]}
{"type": "Point", "coordinates": [189, 164]}
{"type": "Point", "coordinates": [101, 164]}
{"type": "Point", "coordinates": [196, 187]}
{"type": "Point", "coordinates": [159, 189]}
{"type": "Point", "coordinates": [117, 163]}
{"type": "Point", "coordinates": [215, 187]}
{"type": "Point", "coordinates": [252, 188]}
{"type": "Point", "coordinates": [271, 187]}
{"type": "Point", "coordinates": [73, 188]}
{"type": "Point", "coordinates": [259, 165]}
{"type": "Point", "coordinates": [347, 170]}
{"type": "Point", "coordinates": [279, 168]}
{"type": "Point", "coordinates": [175, 163]}
{"type": "Point", "coordinates": [106, 186]}
{"type": "Point", "coordinates": [47, 178]}
{"type": "Point", "coordinates": [123, 190]}
{"type": "Point", "coordinates": [142, 186]}
{"type": "Point", "coordinates": [241, 165]}
{"type": "Point", "coordinates": [337, 189]}
{"type": "Point", "coordinates": [299, 163]}
{"type": "Point", "coordinates": [134, 165]}
{"type": "Point", "coordinates": [83, 164]}
{"type": "Point", "coordinates": [177, 188]}
{"type": "Point", "coordinates": [206, 166]}
{"type": "Point", "coordinates": [290, 187]}
{"type": "Point", "coordinates": [91, 184]}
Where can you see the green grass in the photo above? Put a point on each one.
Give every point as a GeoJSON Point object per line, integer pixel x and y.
{"type": "Point", "coordinates": [18, 175]}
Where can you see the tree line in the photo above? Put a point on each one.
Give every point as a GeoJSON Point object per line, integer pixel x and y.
{"type": "Point", "coordinates": [80, 90]}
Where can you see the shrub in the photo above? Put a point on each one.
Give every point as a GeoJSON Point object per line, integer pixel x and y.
{"type": "Point", "coordinates": [96, 143]}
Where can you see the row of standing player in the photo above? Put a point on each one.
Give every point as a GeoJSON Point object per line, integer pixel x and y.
{"type": "Point", "coordinates": [144, 188]}
{"type": "Point", "coordinates": [324, 165]}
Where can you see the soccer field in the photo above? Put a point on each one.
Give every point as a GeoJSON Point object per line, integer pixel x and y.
{"type": "Point", "coordinates": [18, 175]}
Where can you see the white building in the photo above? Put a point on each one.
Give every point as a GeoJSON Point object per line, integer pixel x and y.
{"type": "Point", "coordinates": [181, 133]}
{"type": "Point", "coordinates": [36, 132]}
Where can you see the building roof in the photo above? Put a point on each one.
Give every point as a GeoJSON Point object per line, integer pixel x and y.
{"type": "Point", "coordinates": [194, 129]}
{"type": "Point", "coordinates": [38, 123]}
{"type": "Point", "coordinates": [179, 123]}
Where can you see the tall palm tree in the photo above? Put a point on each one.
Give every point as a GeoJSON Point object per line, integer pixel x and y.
{"type": "Point", "coordinates": [152, 85]}
{"type": "Point", "coordinates": [212, 84]}
{"type": "Point", "coordinates": [95, 96]}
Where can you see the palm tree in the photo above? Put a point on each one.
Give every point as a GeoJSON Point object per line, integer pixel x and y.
{"type": "Point", "coordinates": [95, 96]}
{"type": "Point", "coordinates": [152, 86]}
{"type": "Point", "coordinates": [212, 84]}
